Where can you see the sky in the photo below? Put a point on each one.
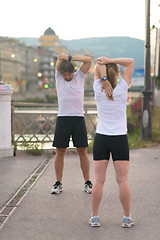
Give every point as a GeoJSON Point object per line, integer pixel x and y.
{"type": "Point", "coordinates": [73, 19]}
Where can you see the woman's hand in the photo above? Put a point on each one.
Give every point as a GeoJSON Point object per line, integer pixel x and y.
{"type": "Point", "coordinates": [107, 88]}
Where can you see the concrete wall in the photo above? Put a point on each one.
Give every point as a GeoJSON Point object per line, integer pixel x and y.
{"type": "Point", "coordinates": [6, 149]}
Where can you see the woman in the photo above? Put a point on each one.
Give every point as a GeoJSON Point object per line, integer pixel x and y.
{"type": "Point", "coordinates": [111, 133]}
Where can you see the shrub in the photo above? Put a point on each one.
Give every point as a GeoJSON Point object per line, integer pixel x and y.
{"type": "Point", "coordinates": [33, 148]}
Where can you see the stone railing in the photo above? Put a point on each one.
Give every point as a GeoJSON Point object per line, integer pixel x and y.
{"type": "Point", "coordinates": [35, 123]}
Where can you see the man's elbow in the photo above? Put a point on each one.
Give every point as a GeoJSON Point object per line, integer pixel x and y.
{"type": "Point", "coordinates": [132, 61]}
{"type": "Point", "coordinates": [90, 60]}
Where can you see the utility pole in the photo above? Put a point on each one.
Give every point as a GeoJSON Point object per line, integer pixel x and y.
{"type": "Point", "coordinates": [147, 92]}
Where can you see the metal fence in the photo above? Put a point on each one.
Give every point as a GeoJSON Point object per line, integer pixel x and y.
{"type": "Point", "coordinates": [35, 123]}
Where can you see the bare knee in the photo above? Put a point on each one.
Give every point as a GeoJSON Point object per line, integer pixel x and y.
{"type": "Point", "coordinates": [100, 180]}
{"type": "Point", "coordinates": [121, 179]}
{"type": "Point", "coordinates": [82, 152]}
{"type": "Point", "coordinates": [60, 152]}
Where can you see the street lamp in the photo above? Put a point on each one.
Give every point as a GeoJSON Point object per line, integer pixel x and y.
{"type": "Point", "coordinates": [147, 92]}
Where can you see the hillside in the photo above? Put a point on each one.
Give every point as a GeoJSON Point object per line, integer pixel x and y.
{"type": "Point", "coordinates": [104, 46]}
{"type": "Point", "coordinates": [111, 47]}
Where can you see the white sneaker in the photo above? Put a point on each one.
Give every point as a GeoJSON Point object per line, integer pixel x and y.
{"type": "Point", "coordinates": [57, 188]}
{"type": "Point", "coordinates": [127, 222]}
{"type": "Point", "coordinates": [94, 221]}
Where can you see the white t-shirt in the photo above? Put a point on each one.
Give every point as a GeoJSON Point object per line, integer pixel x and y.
{"type": "Point", "coordinates": [112, 118]}
{"type": "Point", "coordinates": [70, 94]}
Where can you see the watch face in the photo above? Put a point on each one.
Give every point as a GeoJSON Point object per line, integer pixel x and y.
{"type": "Point", "coordinates": [104, 78]}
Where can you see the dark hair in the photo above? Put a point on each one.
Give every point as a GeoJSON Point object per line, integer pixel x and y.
{"type": "Point", "coordinates": [111, 70]}
{"type": "Point", "coordinates": [66, 66]}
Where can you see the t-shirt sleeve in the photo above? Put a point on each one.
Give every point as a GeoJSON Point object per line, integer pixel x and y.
{"type": "Point", "coordinates": [59, 80]}
{"type": "Point", "coordinates": [123, 85]}
{"type": "Point", "coordinates": [79, 75]}
{"type": "Point", "coordinates": [57, 75]}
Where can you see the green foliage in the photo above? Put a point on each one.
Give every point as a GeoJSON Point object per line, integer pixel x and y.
{"type": "Point", "coordinates": [134, 137]}
{"type": "Point", "coordinates": [90, 147]}
{"type": "Point", "coordinates": [50, 98]}
{"type": "Point", "coordinates": [33, 100]}
{"type": "Point", "coordinates": [134, 115]}
{"type": "Point", "coordinates": [33, 148]}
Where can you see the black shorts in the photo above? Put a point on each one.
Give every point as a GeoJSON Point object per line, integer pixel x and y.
{"type": "Point", "coordinates": [67, 126]}
{"type": "Point", "coordinates": [116, 145]}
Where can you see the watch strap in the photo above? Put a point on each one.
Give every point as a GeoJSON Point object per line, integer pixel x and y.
{"type": "Point", "coordinates": [69, 57]}
{"type": "Point", "coordinates": [104, 78]}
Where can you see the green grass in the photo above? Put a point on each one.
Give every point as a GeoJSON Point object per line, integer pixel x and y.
{"type": "Point", "coordinates": [135, 140]}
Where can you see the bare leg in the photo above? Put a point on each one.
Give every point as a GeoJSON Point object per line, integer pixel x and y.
{"type": "Point", "coordinates": [100, 168]}
{"type": "Point", "coordinates": [122, 168]}
{"type": "Point", "coordinates": [59, 163]}
{"type": "Point", "coordinates": [84, 162]}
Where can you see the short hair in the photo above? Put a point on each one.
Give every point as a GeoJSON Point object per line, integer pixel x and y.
{"type": "Point", "coordinates": [66, 66]}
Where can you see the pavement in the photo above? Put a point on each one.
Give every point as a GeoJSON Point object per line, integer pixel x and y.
{"type": "Point", "coordinates": [39, 215]}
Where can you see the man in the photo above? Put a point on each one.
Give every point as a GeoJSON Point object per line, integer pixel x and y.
{"type": "Point", "coordinates": [70, 119]}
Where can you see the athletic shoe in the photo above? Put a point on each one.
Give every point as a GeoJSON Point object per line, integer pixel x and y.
{"type": "Point", "coordinates": [127, 222]}
{"type": "Point", "coordinates": [88, 187]}
{"type": "Point", "coordinates": [57, 188]}
{"type": "Point", "coordinates": [94, 221]}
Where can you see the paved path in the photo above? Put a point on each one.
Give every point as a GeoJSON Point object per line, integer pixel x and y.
{"type": "Point", "coordinates": [43, 216]}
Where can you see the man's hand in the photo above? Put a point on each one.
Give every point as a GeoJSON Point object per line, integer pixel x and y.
{"type": "Point", "coordinates": [107, 88]}
{"type": "Point", "coordinates": [62, 57]}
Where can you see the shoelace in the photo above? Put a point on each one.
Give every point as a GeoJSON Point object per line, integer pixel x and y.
{"type": "Point", "coordinates": [56, 184]}
{"type": "Point", "coordinates": [89, 184]}
{"type": "Point", "coordinates": [126, 220]}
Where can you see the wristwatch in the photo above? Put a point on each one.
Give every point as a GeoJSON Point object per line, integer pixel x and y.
{"type": "Point", "coordinates": [104, 78]}
{"type": "Point", "coordinates": [69, 57]}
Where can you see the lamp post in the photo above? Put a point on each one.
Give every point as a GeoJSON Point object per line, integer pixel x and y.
{"type": "Point", "coordinates": [147, 92]}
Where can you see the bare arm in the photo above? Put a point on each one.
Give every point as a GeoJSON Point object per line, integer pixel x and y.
{"type": "Point", "coordinates": [86, 62]}
{"type": "Point", "coordinates": [100, 71]}
{"type": "Point", "coordinates": [128, 63]}
{"type": "Point", "coordinates": [60, 59]}
{"type": "Point", "coordinates": [85, 59]}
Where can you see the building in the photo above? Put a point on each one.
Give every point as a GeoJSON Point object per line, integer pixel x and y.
{"type": "Point", "coordinates": [18, 65]}
{"type": "Point", "coordinates": [51, 41]}
{"type": "Point", "coordinates": [10, 59]}
{"type": "Point", "coordinates": [47, 62]}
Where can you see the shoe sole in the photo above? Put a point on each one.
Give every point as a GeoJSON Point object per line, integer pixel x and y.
{"type": "Point", "coordinates": [94, 225]}
{"type": "Point", "coordinates": [127, 226]}
{"type": "Point", "coordinates": [88, 191]}
{"type": "Point", "coordinates": [98, 225]}
{"type": "Point", "coordinates": [58, 192]}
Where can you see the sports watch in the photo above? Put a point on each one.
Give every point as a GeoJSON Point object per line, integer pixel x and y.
{"type": "Point", "coordinates": [104, 78]}
{"type": "Point", "coordinates": [69, 57]}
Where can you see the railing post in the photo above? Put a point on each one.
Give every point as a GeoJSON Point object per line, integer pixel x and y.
{"type": "Point", "coordinates": [6, 149]}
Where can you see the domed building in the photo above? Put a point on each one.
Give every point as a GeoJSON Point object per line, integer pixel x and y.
{"type": "Point", "coordinates": [51, 41]}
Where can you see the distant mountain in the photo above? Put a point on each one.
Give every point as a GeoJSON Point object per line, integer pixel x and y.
{"type": "Point", "coordinates": [103, 46]}
{"type": "Point", "coordinates": [111, 46]}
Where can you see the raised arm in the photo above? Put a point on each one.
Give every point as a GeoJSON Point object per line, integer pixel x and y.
{"type": "Point", "coordinates": [100, 72]}
{"type": "Point", "coordinates": [128, 63]}
{"type": "Point", "coordinates": [86, 61]}
{"type": "Point", "coordinates": [60, 59]}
